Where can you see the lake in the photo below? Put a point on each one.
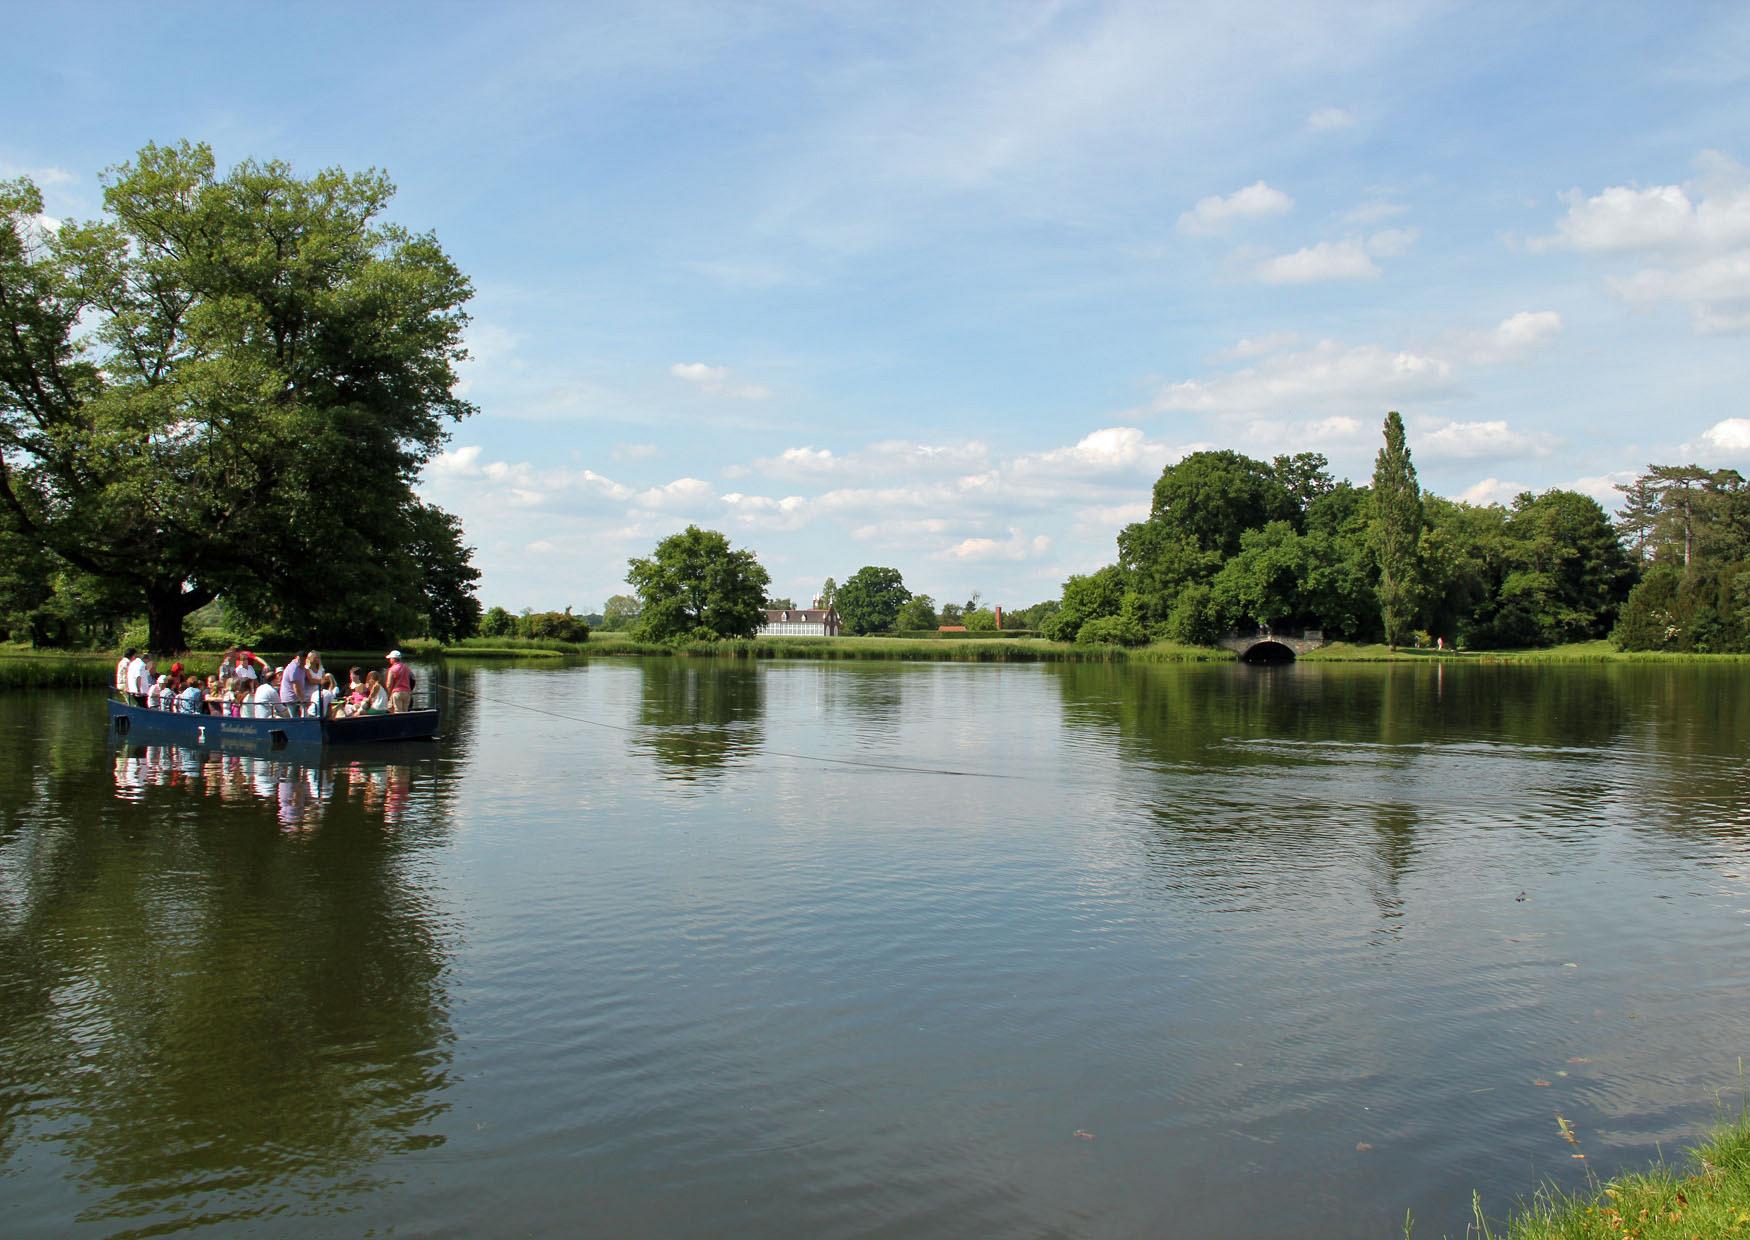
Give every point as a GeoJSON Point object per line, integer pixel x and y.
{"type": "Point", "coordinates": [697, 948]}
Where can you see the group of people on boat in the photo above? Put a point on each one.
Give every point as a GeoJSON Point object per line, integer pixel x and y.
{"type": "Point", "coordinates": [247, 686]}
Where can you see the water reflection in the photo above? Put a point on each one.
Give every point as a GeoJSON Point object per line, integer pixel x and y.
{"type": "Point", "coordinates": [697, 718]}
{"type": "Point", "coordinates": [301, 793]}
{"type": "Point", "coordinates": [213, 1014]}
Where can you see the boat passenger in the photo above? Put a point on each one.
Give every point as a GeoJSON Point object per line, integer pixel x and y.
{"type": "Point", "coordinates": [139, 677]}
{"type": "Point", "coordinates": [156, 694]}
{"type": "Point", "coordinates": [121, 670]}
{"type": "Point", "coordinates": [294, 681]}
{"type": "Point", "coordinates": [192, 700]}
{"type": "Point", "coordinates": [264, 703]}
{"type": "Point", "coordinates": [313, 667]}
{"type": "Point", "coordinates": [227, 664]}
{"type": "Point", "coordinates": [399, 682]}
{"type": "Point", "coordinates": [376, 697]}
{"type": "Point", "coordinates": [324, 703]}
{"type": "Point", "coordinates": [245, 670]}
{"type": "Point", "coordinates": [215, 702]}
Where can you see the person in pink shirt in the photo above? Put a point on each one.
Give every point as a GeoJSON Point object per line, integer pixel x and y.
{"type": "Point", "coordinates": [399, 683]}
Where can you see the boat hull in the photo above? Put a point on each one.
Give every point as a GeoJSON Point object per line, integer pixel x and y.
{"type": "Point", "coordinates": [261, 735]}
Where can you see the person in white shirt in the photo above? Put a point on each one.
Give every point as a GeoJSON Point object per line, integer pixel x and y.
{"type": "Point", "coordinates": [121, 670]}
{"type": "Point", "coordinates": [265, 704]}
{"type": "Point", "coordinates": [158, 692]}
{"type": "Point", "coordinates": [139, 679]}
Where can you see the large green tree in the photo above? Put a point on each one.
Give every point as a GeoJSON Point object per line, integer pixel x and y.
{"type": "Point", "coordinates": [695, 585]}
{"type": "Point", "coordinates": [1396, 533]}
{"type": "Point", "coordinates": [870, 599]}
{"type": "Point", "coordinates": [228, 386]}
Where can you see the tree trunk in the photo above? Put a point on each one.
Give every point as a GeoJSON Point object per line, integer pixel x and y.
{"type": "Point", "coordinates": [166, 608]}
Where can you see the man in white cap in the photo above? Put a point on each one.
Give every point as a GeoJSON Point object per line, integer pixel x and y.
{"type": "Point", "coordinates": [399, 683]}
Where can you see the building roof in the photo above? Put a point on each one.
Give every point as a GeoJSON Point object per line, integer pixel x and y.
{"type": "Point", "coordinates": [799, 615]}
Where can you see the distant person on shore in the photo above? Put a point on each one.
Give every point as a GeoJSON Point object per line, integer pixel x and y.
{"type": "Point", "coordinates": [399, 683]}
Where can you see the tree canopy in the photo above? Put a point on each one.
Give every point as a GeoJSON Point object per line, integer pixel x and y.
{"type": "Point", "coordinates": [869, 600]}
{"type": "Point", "coordinates": [228, 386]}
{"type": "Point", "coordinates": [696, 587]}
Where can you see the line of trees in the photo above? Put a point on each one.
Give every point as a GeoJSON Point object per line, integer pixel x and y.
{"type": "Point", "coordinates": [1688, 529]}
{"type": "Point", "coordinates": [1233, 542]}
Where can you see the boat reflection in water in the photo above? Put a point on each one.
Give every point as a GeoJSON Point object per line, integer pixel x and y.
{"type": "Point", "coordinates": [302, 788]}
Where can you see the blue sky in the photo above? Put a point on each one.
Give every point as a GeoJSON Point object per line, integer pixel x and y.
{"type": "Point", "coordinates": [943, 287]}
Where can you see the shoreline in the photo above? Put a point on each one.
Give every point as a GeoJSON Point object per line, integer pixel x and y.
{"type": "Point", "coordinates": [1706, 1194]}
{"type": "Point", "coordinates": [23, 668]}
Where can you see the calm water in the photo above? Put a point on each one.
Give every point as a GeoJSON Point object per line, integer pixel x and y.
{"type": "Point", "coordinates": [1180, 951]}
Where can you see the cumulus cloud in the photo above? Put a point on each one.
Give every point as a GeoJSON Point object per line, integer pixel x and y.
{"type": "Point", "coordinates": [1696, 237]}
{"type": "Point", "coordinates": [1513, 339]}
{"type": "Point", "coordinates": [1492, 491]}
{"type": "Point", "coordinates": [1329, 373]}
{"type": "Point", "coordinates": [886, 457]}
{"type": "Point", "coordinates": [683, 494]}
{"type": "Point", "coordinates": [1350, 259]}
{"type": "Point", "coordinates": [1016, 546]}
{"type": "Point", "coordinates": [1485, 440]}
{"type": "Point", "coordinates": [1254, 346]}
{"type": "Point", "coordinates": [1730, 438]}
{"type": "Point", "coordinates": [1213, 215]}
{"type": "Point", "coordinates": [1330, 118]}
{"type": "Point", "coordinates": [1313, 264]}
{"type": "Point", "coordinates": [717, 381]}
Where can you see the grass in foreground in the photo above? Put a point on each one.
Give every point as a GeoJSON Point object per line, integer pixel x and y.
{"type": "Point", "coordinates": [1709, 1197]}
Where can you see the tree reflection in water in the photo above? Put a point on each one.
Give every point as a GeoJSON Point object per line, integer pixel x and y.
{"type": "Point", "coordinates": [698, 717]}
{"type": "Point", "coordinates": [226, 998]}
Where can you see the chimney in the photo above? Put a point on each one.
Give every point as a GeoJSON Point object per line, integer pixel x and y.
{"type": "Point", "coordinates": [816, 603]}
{"type": "Point", "coordinates": [999, 612]}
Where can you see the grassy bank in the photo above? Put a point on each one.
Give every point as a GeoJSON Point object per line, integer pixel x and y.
{"type": "Point", "coordinates": [1707, 1196]}
{"type": "Point", "coordinates": [915, 649]}
{"type": "Point", "coordinates": [1576, 652]}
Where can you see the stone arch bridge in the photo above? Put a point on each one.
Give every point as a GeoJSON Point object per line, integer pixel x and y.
{"type": "Point", "coordinates": [1272, 645]}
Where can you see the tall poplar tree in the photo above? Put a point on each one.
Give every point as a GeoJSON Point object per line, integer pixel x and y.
{"type": "Point", "coordinates": [1396, 533]}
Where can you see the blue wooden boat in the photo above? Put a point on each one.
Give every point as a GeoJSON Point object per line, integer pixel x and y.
{"type": "Point", "coordinates": [147, 726]}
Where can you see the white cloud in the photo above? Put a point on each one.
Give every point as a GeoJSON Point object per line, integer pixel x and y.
{"type": "Point", "coordinates": [635, 451]}
{"type": "Point", "coordinates": [1392, 242]}
{"type": "Point", "coordinates": [683, 494]}
{"type": "Point", "coordinates": [1254, 346]}
{"type": "Point", "coordinates": [1016, 546]}
{"type": "Point", "coordinates": [1374, 211]}
{"type": "Point", "coordinates": [1213, 214]}
{"type": "Point", "coordinates": [1492, 491]}
{"type": "Point", "coordinates": [1512, 339]}
{"type": "Point", "coordinates": [540, 547]}
{"type": "Point", "coordinates": [1486, 440]}
{"type": "Point", "coordinates": [1698, 233]}
{"type": "Point", "coordinates": [1730, 438]}
{"type": "Point", "coordinates": [886, 457]}
{"type": "Point", "coordinates": [1330, 118]}
{"type": "Point", "coordinates": [717, 381]}
{"type": "Point", "coordinates": [1328, 260]}
{"type": "Point", "coordinates": [1602, 487]}
{"type": "Point", "coordinates": [1328, 374]}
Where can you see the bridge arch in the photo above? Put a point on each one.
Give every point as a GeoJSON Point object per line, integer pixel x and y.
{"type": "Point", "coordinates": [1267, 651]}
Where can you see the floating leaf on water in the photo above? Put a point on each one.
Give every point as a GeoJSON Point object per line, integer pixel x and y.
{"type": "Point", "coordinates": [1361, 1147]}
{"type": "Point", "coordinates": [1541, 1083]}
{"type": "Point", "coordinates": [1570, 965]}
{"type": "Point", "coordinates": [1579, 1059]}
{"type": "Point", "coordinates": [1084, 1134]}
{"type": "Point", "coordinates": [1559, 1072]}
